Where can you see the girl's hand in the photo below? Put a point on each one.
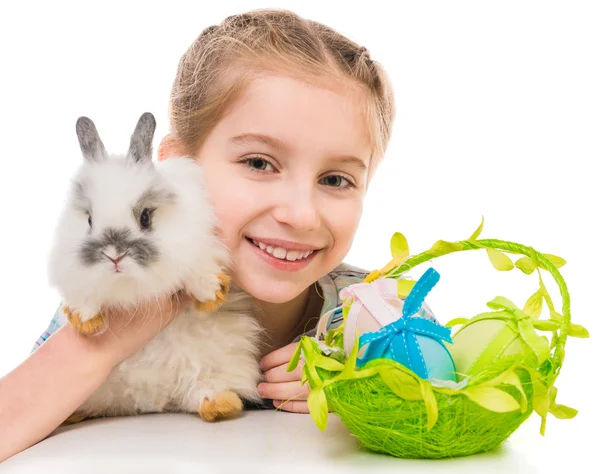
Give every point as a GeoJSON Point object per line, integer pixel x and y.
{"type": "Point", "coordinates": [132, 328]}
{"type": "Point", "coordinates": [284, 388]}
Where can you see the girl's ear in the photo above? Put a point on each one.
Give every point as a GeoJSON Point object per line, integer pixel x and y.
{"type": "Point", "coordinates": [171, 145]}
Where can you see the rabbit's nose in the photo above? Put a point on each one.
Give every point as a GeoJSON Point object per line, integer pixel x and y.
{"type": "Point", "coordinates": [118, 259]}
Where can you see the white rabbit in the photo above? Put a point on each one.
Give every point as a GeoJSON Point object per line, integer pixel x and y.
{"type": "Point", "coordinates": [132, 230]}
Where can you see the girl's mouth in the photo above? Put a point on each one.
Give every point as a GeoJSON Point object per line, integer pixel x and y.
{"type": "Point", "coordinates": [282, 259]}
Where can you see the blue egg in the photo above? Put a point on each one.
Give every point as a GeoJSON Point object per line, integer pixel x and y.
{"type": "Point", "coordinates": [413, 341]}
{"type": "Point", "coordinates": [438, 361]}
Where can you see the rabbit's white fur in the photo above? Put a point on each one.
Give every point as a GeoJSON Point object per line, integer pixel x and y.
{"type": "Point", "coordinates": [196, 357]}
{"type": "Point", "coordinates": [199, 355]}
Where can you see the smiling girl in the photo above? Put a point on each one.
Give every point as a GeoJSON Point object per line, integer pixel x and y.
{"type": "Point", "coordinates": [289, 120]}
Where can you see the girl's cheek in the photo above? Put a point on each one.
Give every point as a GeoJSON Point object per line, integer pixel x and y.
{"type": "Point", "coordinates": [347, 223]}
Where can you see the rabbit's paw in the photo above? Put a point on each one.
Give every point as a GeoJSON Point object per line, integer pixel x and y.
{"type": "Point", "coordinates": [220, 295]}
{"type": "Point", "coordinates": [94, 325]}
{"type": "Point", "coordinates": [74, 418]}
{"type": "Point", "coordinates": [224, 405]}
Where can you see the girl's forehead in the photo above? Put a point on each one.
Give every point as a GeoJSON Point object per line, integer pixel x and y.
{"type": "Point", "coordinates": [296, 111]}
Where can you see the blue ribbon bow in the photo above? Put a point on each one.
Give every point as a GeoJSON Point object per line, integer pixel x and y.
{"type": "Point", "coordinates": [400, 337]}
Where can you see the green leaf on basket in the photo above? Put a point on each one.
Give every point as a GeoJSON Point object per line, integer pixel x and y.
{"type": "Point", "coordinates": [317, 405]}
{"type": "Point", "coordinates": [526, 265]}
{"type": "Point", "coordinates": [514, 380]}
{"type": "Point", "coordinates": [430, 403]}
{"type": "Point", "coordinates": [348, 371]}
{"type": "Point", "coordinates": [500, 260]}
{"type": "Point", "coordinates": [563, 412]}
{"type": "Point", "coordinates": [405, 287]}
{"type": "Point", "coordinates": [401, 383]}
{"type": "Point", "coordinates": [509, 377]}
{"type": "Point", "coordinates": [543, 425]}
{"type": "Point", "coordinates": [576, 330]}
{"type": "Point", "coordinates": [557, 261]}
{"type": "Point", "coordinates": [533, 306]}
{"type": "Point", "coordinates": [330, 337]}
{"type": "Point", "coordinates": [304, 378]}
{"type": "Point", "coordinates": [295, 358]}
{"type": "Point", "coordinates": [328, 363]}
{"type": "Point", "coordinates": [456, 322]}
{"type": "Point", "coordinates": [309, 355]}
{"type": "Point", "coordinates": [441, 247]}
{"type": "Point", "coordinates": [477, 233]}
{"type": "Point", "coordinates": [547, 325]}
{"type": "Point", "coordinates": [541, 399]}
{"type": "Point", "coordinates": [398, 244]}
{"type": "Point", "coordinates": [492, 398]}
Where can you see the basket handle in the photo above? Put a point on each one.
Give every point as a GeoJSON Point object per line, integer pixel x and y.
{"type": "Point", "coordinates": [396, 269]}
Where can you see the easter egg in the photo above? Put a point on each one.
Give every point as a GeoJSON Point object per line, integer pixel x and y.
{"type": "Point", "coordinates": [370, 314]}
{"type": "Point", "coordinates": [492, 336]}
{"type": "Point", "coordinates": [414, 342]}
{"type": "Point", "coordinates": [392, 328]}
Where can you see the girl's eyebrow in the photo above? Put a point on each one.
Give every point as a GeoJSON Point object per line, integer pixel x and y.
{"type": "Point", "coordinates": [278, 144]}
{"type": "Point", "coordinates": [352, 160]}
{"type": "Point", "coordinates": [246, 138]}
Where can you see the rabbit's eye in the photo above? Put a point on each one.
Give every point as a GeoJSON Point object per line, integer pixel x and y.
{"type": "Point", "coordinates": [145, 219]}
{"type": "Point", "coordinates": [90, 220]}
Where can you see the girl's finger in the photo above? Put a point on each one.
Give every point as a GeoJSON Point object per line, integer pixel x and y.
{"type": "Point", "coordinates": [284, 391]}
{"type": "Point", "coordinates": [278, 357]}
{"type": "Point", "coordinates": [294, 406]}
{"type": "Point", "coordinates": [280, 374]}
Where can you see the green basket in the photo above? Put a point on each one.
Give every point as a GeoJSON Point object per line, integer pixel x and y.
{"type": "Point", "coordinates": [393, 411]}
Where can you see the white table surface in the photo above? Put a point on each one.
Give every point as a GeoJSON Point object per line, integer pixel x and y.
{"type": "Point", "coordinates": [257, 442]}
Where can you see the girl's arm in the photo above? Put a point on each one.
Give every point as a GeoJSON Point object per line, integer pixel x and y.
{"type": "Point", "coordinates": [46, 388]}
{"type": "Point", "coordinates": [38, 395]}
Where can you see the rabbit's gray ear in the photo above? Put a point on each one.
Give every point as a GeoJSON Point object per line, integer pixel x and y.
{"type": "Point", "coordinates": [89, 140]}
{"type": "Point", "coordinates": [140, 147]}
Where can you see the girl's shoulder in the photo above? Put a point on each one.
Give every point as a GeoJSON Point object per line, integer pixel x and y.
{"type": "Point", "coordinates": [332, 284]}
{"type": "Point", "coordinates": [329, 288]}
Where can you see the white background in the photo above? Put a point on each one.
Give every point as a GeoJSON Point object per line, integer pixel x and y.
{"type": "Point", "coordinates": [498, 115]}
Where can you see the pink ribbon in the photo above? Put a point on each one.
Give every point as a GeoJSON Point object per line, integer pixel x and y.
{"type": "Point", "coordinates": [373, 297]}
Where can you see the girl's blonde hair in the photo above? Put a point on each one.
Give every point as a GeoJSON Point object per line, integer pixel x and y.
{"type": "Point", "coordinates": [215, 69]}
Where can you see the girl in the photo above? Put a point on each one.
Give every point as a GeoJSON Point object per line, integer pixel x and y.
{"type": "Point", "coordinates": [289, 120]}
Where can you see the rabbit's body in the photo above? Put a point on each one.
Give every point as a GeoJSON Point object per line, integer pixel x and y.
{"type": "Point", "coordinates": [198, 356]}
{"type": "Point", "coordinates": [131, 231]}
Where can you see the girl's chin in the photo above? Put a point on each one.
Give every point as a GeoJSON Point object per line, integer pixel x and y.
{"type": "Point", "coordinates": [268, 288]}
{"type": "Point", "coordinates": [270, 291]}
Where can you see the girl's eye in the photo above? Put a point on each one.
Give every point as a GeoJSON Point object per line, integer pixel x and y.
{"type": "Point", "coordinates": [90, 220]}
{"type": "Point", "coordinates": [336, 181]}
{"type": "Point", "coordinates": [257, 164]}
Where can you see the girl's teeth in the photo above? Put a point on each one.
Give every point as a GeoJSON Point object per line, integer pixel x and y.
{"type": "Point", "coordinates": [279, 253]}
{"type": "Point", "coordinates": [283, 254]}
{"type": "Point", "coordinates": [292, 255]}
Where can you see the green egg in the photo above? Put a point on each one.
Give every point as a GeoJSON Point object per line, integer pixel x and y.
{"type": "Point", "coordinates": [491, 337]}
{"type": "Point", "coordinates": [480, 344]}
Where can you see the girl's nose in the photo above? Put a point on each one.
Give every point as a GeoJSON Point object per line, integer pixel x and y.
{"type": "Point", "coordinates": [298, 209]}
